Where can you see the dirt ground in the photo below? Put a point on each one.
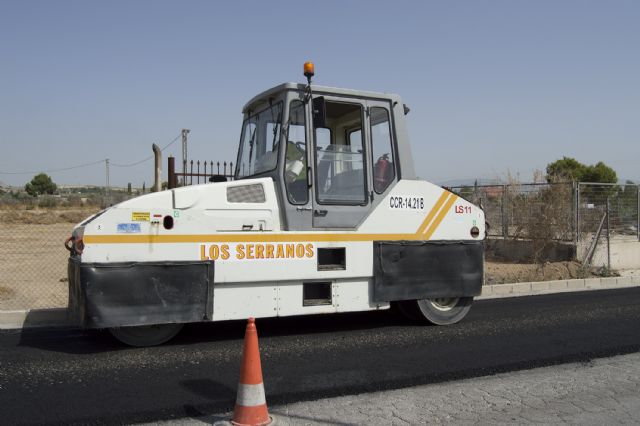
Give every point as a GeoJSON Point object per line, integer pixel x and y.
{"type": "Point", "coordinates": [33, 261]}
{"type": "Point", "coordinates": [33, 265]}
{"type": "Point", "coordinates": [45, 216]}
{"type": "Point", "coordinates": [499, 273]}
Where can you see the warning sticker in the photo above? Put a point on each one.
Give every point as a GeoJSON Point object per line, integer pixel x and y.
{"type": "Point", "coordinates": [140, 216]}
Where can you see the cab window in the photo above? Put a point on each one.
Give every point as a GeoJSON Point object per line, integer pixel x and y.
{"type": "Point", "coordinates": [295, 169]}
{"type": "Point", "coordinates": [381, 149]}
{"type": "Point", "coordinates": [339, 156]}
{"type": "Point", "coordinates": [259, 142]}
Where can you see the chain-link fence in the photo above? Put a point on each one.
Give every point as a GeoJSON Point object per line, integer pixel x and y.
{"type": "Point", "coordinates": [528, 211]}
{"type": "Point", "coordinates": [568, 211]}
{"type": "Point", "coordinates": [33, 270]}
{"type": "Point", "coordinates": [33, 260]}
{"type": "Point", "coordinates": [589, 215]}
{"type": "Point", "coordinates": [621, 202]}
{"type": "Point", "coordinates": [606, 214]}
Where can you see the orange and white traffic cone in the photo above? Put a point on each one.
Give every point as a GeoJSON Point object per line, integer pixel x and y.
{"type": "Point", "coordinates": [251, 404]}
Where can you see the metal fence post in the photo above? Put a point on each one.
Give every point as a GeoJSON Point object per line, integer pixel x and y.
{"type": "Point", "coordinates": [577, 212]}
{"type": "Point", "coordinates": [171, 170]}
{"type": "Point", "coordinates": [574, 216]}
{"type": "Point", "coordinates": [638, 213]}
{"type": "Point", "coordinates": [608, 237]}
{"type": "Point", "coordinates": [505, 229]}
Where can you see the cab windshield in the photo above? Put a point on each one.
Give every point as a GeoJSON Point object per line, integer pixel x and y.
{"type": "Point", "coordinates": [259, 142]}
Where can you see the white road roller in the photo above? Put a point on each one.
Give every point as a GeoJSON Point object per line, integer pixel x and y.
{"type": "Point", "coordinates": [324, 214]}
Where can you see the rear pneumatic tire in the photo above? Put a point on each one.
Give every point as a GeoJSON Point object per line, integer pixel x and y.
{"type": "Point", "coordinates": [146, 335]}
{"type": "Point", "coordinates": [438, 311]}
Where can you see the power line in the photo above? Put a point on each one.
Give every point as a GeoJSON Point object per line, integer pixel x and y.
{"type": "Point", "coordinates": [132, 164]}
{"type": "Point", "coordinates": [148, 158]}
{"type": "Point", "coordinates": [91, 163]}
{"type": "Point", "coordinates": [55, 170]}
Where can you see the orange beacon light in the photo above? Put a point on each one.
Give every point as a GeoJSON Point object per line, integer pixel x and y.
{"type": "Point", "coordinates": [309, 70]}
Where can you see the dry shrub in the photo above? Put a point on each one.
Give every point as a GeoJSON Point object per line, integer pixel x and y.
{"type": "Point", "coordinates": [542, 213]}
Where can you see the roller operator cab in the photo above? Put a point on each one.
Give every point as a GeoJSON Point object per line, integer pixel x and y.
{"type": "Point", "coordinates": [325, 214]}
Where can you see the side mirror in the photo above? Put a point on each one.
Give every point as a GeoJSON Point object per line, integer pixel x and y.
{"type": "Point", "coordinates": [319, 112]}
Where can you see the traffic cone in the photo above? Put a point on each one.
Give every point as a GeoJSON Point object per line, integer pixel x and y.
{"type": "Point", "coordinates": [251, 404]}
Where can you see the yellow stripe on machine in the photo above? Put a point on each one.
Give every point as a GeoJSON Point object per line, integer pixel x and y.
{"type": "Point", "coordinates": [433, 212]}
{"type": "Point", "coordinates": [244, 238]}
{"type": "Point", "coordinates": [447, 206]}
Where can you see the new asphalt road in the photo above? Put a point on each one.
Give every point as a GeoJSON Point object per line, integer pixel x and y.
{"type": "Point", "coordinates": [71, 376]}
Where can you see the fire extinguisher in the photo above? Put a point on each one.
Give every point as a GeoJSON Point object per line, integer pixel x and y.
{"type": "Point", "coordinates": [382, 172]}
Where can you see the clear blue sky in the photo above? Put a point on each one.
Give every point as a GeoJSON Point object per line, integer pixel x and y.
{"type": "Point", "coordinates": [493, 86]}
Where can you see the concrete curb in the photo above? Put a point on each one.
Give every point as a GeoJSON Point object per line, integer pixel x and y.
{"type": "Point", "coordinates": [495, 291]}
{"type": "Point", "coordinates": [57, 317]}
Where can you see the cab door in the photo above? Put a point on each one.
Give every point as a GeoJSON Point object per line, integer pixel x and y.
{"type": "Point", "coordinates": [382, 149]}
{"type": "Point", "coordinates": [340, 190]}
{"type": "Point", "coordinates": [296, 172]}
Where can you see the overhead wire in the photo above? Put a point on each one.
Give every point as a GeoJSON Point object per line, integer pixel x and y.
{"type": "Point", "coordinates": [55, 170]}
{"type": "Point", "coordinates": [148, 158]}
{"type": "Point", "coordinates": [78, 166]}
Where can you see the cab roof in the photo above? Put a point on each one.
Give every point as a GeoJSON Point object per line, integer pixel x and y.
{"type": "Point", "coordinates": [326, 90]}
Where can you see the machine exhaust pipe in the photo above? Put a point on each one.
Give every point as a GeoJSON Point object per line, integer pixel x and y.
{"type": "Point", "coordinates": [157, 152]}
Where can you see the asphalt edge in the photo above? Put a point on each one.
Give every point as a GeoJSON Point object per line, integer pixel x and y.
{"type": "Point", "coordinates": [57, 317]}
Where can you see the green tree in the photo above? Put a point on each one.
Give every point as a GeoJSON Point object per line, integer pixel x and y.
{"type": "Point", "coordinates": [569, 169]}
{"type": "Point", "coordinates": [600, 173]}
{"type": "Point", "coordinates": [565, 169]}
{"type": "Point", "coordinates": [40, 184]}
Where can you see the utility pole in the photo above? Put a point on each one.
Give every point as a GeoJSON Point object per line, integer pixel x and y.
{"type": "Point", "coordinates": [185, 132]}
